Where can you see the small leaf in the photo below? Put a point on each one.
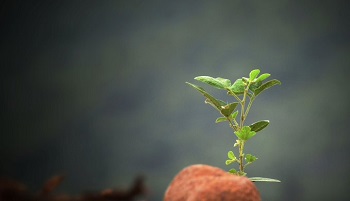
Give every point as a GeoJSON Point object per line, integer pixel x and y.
{"type": "Point", "coordinates": [228, 162]}
{"type": "Point", "coordinates": [224, 82]}
{"type": "Point", "coordinates": [233, 171]}
{"type": "Point", "coordinates": [264, 76]}
{"type": "Point", "coordinates": [228, 109]}
{"type": "Point", "coordinates": [211, 81]}
{"type": "Point", "coordinates": [234, 115]}
{"type": "Point", "coordinates": [245, 133]}
{"type": "Point", "coordinates": [265, 86]}
{"type": "Point", "coordinates": [250, 158]}
{"type": "Point", "coordinates": [215, 103]}
{"type": "Point", "coordinates": [255, 179]}
{"type": "Point", "coordinates": [238, 86]}
{"type": "Point", "coordinates": [220, 119]}
{"type": "Point", "coordinates": [245, 80]}
{"type": "Point", "coordinates": [253, 74]}
{"type": "Point", "coordinates": [231, 155]}
{"type": "Point", "coordinates": [258, 126]}
{"type": "Point", "coordinates": [251, 134]}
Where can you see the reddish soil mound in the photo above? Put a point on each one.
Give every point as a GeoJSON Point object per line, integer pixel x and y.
{"type": "Point", "coordinates": [207, 183]}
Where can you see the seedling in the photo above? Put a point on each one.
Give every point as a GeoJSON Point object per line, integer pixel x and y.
{"type": "Point", "coordinates": [244, 90]}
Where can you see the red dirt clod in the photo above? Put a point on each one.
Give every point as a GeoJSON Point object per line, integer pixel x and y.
{"type": "Point", "coordinates": [207, 183]}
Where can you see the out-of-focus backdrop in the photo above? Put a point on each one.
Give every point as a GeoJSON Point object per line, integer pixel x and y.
{"type": "Point", "coordinates": [96, 90]}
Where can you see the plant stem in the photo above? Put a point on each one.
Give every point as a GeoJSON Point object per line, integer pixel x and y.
{"type": "Point", "coordinates": [236, 127]}
{"type": "Point", "coordinates": [231, 124]}
{"type": "Point", "coordinates": [243, 115]}
{"type": "Point", "coordinates": [249, 105]}
{"type": "Point", "coordinates": [241, 156]}
{"type": "Point", "coordinates": [236, 97]}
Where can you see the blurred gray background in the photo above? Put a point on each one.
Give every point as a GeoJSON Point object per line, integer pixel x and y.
{"type": "Point", "coordinates": [96, 90]}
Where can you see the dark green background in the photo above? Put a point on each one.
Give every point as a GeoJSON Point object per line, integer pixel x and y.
{"type": "Point", "coordinates": [96, 90]}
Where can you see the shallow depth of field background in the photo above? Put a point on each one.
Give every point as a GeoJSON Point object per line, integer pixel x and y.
{"type": "Point", "coordinates": [96, 90]}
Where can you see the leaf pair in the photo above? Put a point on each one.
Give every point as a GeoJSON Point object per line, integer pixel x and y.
{"type": "Point", "coordinates": [253, 76]}
{"type": "Point", "coordinates": [233, 170]}
{"type": "Point", "coordinates": [238, 87]}
{"type": "Point", "coordinates": [230, 117]}
{"type": "Point", "coordinates": [248, 132]}
{"type": "Point", "coordinates": [245, 133]}
{"type": "Point", "coordinates": [231, 158]}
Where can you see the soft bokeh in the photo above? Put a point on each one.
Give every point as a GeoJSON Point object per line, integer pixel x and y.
{"type": "Point", "coordinates": [96, 90]}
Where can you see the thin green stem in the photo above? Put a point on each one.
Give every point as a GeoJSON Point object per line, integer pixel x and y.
{"type": "Point", "coordinates": [233, 126]}
{"type": "Point", "coordinates": [236, 97]}
{"type": "Point", "coordinates": [241, 156]}
{"type": "Point", "coordinates": [243, 116]}
{"type": "Point", "coordinates": [236, 123]}
{"type": "Point", "coordinates": [247, 165]}
{"type": "Point", "coordinates": [249, 106]}
{"type": "Point", "coordinates": [242, 113]}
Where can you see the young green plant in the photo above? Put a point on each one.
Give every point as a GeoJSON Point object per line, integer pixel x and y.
{"type": "Point", "coordinates": [244, 90]}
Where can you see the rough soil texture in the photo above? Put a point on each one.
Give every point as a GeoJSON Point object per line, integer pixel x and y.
{"type": "Point", "coordinates": [11, 190]}
{"type": "Point", "coordinates": [207, 183]}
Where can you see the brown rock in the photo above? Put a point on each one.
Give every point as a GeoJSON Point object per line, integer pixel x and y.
{"type": "Point", "coordinates": [207, 183]}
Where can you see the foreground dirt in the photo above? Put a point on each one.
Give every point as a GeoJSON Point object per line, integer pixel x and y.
{"type": "Point", "coordinates": [207, 183]}
{"type": "Point", "coordinates": [11, 190]}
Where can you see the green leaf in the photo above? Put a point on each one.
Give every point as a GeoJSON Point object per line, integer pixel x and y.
{"type": "Point", "coordinates": [265, 86]}
{"type": "Point", "coordinates": [238, 86]}
{"type": "Point", "coordinates": [220, 119]}
{"type": "Point", "coordinates": [234, 115]}
{"type": "Point", "coordinates": [228, 162]}
{"type": "Point", "coordinates": [255, 179]}
{"type": "Point", "coordinates": [245, 80]}
{"type": "Point", "coordinates": [225, 82]}
{"type": "Point", "coordinates": [211, 81]}
{"type": "Point", "coordinates": [255, 85]}
{"type": "Point", "coordinates": [228, 109]}
{"type": "Point", "coordinates": [253, 74]}
{"type": "Point", "coordinates": [251, 134]}
{"type": "Point", "coordinates": [264, 76]}
{"type": "Point", "coordinates": [245, 133]}
{"type": "Point", "coordinates": [215, 103]}
{"type": "Point", "coordinates": [233, 171]}
{"type": "Point", "coordinates": [231, 155]}
{"type": "Point", "coordinates": [258, 126]}
{"type": "Point", "coordinates": [236, 93]}
{"type": "Point", "coordinates": [220, 102]}
{"type": "Point", "coordinates": [250, 158]}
